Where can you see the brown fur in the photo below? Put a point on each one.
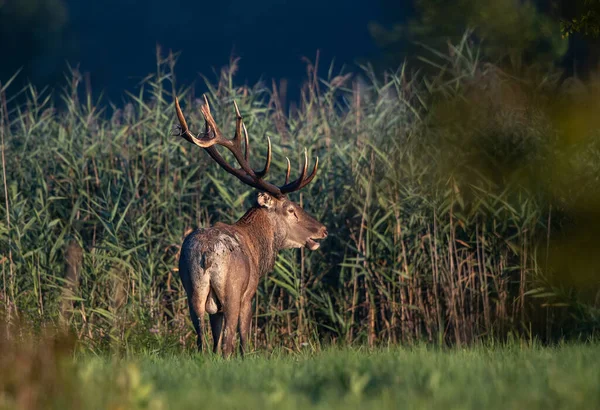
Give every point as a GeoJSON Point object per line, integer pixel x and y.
{"type": "Point", "coordinates": [220, 266]}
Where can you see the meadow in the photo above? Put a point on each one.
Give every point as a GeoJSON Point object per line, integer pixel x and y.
{"type": "Point", "coordinates": [462, 211]}
{"type": "Point", "coordinates": [410, 378]}
{"type": "Point", "coordinates": [507, 376]}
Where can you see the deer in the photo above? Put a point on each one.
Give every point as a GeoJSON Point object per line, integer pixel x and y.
{"type": "Point", "coordinates": [220, 266]}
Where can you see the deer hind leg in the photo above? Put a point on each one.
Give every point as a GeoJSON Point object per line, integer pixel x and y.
{"type": "Point", "coordinates": [216, 325]}
{"type": "Point", "coordinates": [216, 318]}
{"type": "Point", "coordinates": [198, 306]}
{"type": "Point", "coordinates": [232, 314]}
{"type": "Point", "coordinates": [196, 323]}
{"type": "Point", "coordinates": [245, 322]}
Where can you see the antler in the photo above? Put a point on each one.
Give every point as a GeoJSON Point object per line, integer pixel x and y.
{"type": "Point", "coordinates": [212, 136]}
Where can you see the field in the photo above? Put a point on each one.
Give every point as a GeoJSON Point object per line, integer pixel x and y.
{"type": "Point", "coordinates": [494, 377]}
{"type": "Point", "coordinates": [462, 208]}
{"type": "Point", "coordinates": [419, 378]}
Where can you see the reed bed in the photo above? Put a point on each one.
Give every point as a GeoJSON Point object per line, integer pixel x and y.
{"type": "Point", "coordinates": [460, 207]}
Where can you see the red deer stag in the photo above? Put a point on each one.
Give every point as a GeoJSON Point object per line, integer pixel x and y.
{"type": "Point", "coordinates": [220, 266]}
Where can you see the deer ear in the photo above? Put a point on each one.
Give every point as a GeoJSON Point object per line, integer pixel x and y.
{"type": "Point", "coordinates": [265, 200]}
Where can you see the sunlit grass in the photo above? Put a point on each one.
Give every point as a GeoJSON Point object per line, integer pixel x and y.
{"type": "Point", "coordinates": [46, 370]}
{"type": "Point", "coordinates": [511, 377]}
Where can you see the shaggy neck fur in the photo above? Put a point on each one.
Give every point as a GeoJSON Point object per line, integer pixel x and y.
{"type": "Point", "coordinates": [265, 234]}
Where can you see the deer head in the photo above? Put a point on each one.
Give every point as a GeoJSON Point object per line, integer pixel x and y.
{"type": "Point", "coordinates": [293, 224]}
{"type": "Point", "coordinates": [297, 227]}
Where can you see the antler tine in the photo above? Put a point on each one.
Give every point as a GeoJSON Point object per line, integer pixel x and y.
{"type": "Point", "coordinates": [236, 142]}
{"type": "Point", "coordinates": [184, 130]}
{"type": "Point", "coordinates": [311, 176]}
{"type": "Point", "coordinates": [211, 136]}
{"type": "Point", "coordinates": [234, 145]}
{"type": "Point", "coordinates": [260, 174]}
{"type": "Point", "coordinates": [206, 103]}
{"type": "Point", "coordinates": [182, 121]}
{"type": "Point", "coordinates": [210, 127]}
{"type": "Point", "coordinates": [247, 142]}
{"type": "Point", "coordinates": [239, 121]}
{"type": "Point", "coordinates": [287, 174]}
{"type": "Point", "coordinates": [296, 184]}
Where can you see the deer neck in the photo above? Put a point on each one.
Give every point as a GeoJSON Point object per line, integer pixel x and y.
{"type": "Point", "coordinates": [265, 240]}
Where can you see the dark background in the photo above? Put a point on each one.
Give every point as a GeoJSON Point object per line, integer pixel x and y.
{"type": "Point", "coordinates": [114, 41]}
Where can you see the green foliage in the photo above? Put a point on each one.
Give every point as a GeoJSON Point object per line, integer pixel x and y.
{"type": "Point", "coordinates": [426, 378]}
{"type": "Point", "coordinates": [511, 30]}
{"type": "Point", "coordinates": [586, 21]}
{"type": "Point", "coordinates": [454, 205]}
{"type": "Point", "coordinates": [492, 378]}
{"type": "Point", "coordinates": [46, 370]}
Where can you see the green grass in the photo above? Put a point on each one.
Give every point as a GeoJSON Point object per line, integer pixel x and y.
{"type": "Point", "coordinates": [413, 378]}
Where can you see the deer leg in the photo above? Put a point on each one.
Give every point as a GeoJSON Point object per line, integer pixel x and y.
{"type": "Point", "coordinates": [198, 302]}
{"type": "Point", "coordinates": [216, 325]}
{"type": "Point", "coordinates": [232, 314]}
{"type": "Point", "coordinates": [245, 323]}
{"type": "Point", "coordinates": [196, 324]}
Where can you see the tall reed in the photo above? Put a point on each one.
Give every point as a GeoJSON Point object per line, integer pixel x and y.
{"type": "Point", "coordinates": [447, 221]}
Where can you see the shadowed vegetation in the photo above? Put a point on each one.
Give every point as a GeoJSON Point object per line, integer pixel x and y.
{"type": "Point", "coordinates": [460, 206]}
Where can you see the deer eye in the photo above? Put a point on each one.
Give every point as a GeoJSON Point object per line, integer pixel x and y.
{"type": "Point", "coordinates": [291, 210]}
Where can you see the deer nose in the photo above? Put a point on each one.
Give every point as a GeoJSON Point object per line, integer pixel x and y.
{"type": "Point", "coordinates": [324, 233]}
